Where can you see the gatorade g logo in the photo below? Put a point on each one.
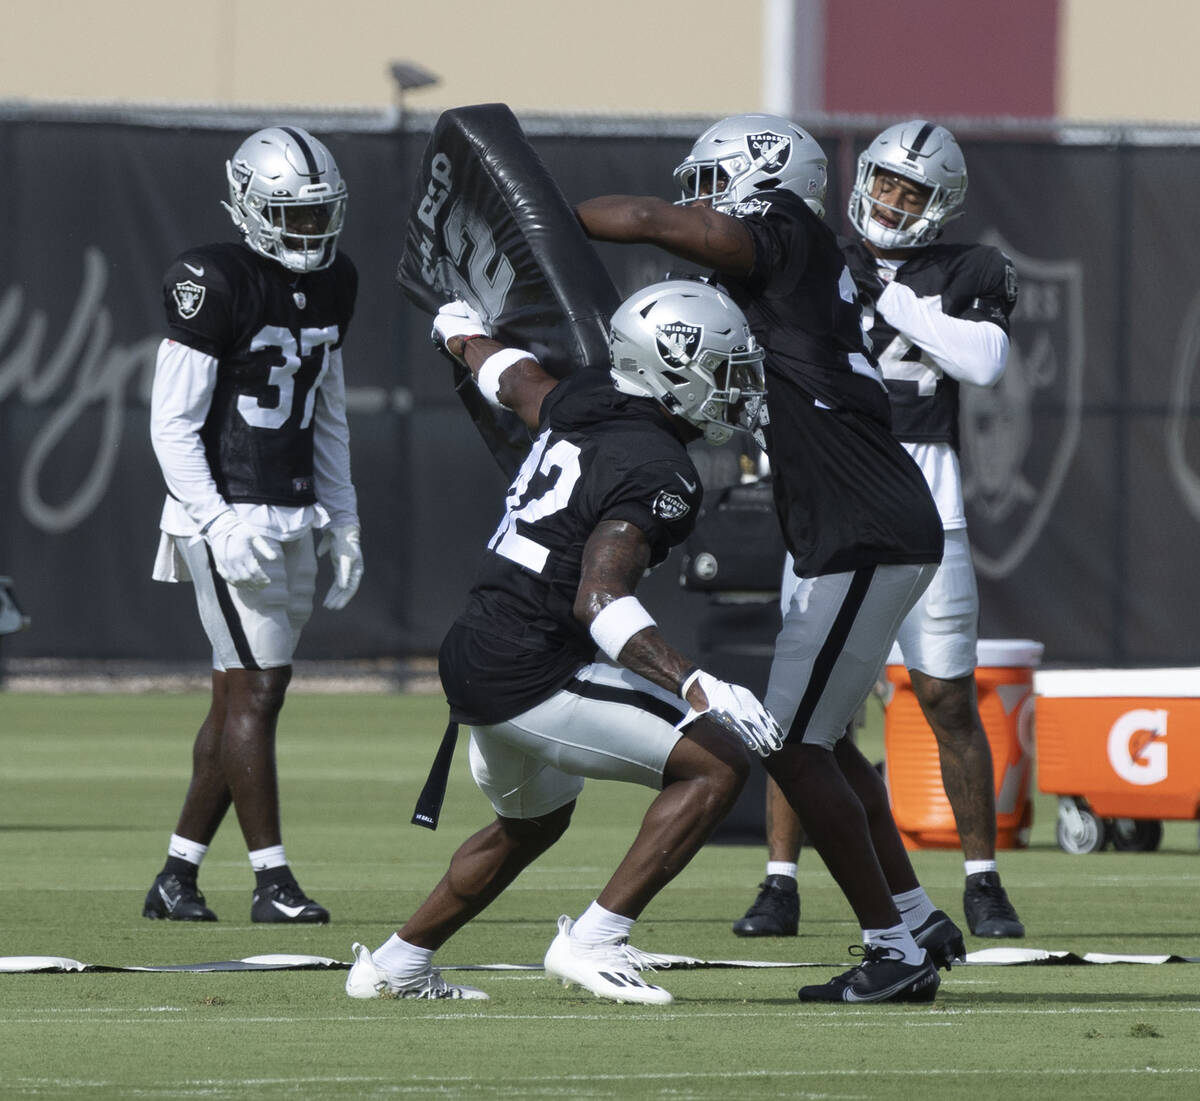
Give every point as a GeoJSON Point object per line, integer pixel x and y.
{"type": "Point", "coordinates": [1137, 748]}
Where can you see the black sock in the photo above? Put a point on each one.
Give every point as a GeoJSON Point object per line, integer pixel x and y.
{"type": "Point", "coordinates": [268, 876]}
{"type": "Point", "coordinates": [181, 869]}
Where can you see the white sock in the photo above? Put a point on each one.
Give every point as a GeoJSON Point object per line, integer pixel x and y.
{"type": "Point", "coordinates": [897, 937]}
{"type": "Point", "coordinates": [782, 867]}
{"type": "Point", "coordinates": [398, 957]}
{"type": "Point", "coordinates": [974, 867]}
{"type": "Point", "coordinates": [598, 926]}
{"type": "Point", "coordinates": [270, 857]}
{"type": "Point", "coordinates": [191, 851]}
{"type": "Point", "coordinates": [914, 906]}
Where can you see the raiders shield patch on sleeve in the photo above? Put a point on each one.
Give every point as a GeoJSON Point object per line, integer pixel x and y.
{"type": "Point", "coordinates": [189, 297]}
{"type": "Point", "coordinates": [669, 506]}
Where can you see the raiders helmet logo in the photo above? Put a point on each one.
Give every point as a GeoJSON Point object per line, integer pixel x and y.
{"type": "Point", "coordinates": [189, 297]}
{"type": "Point", "coordinates": [775, 149]}
{"type": "Point", "coordinates": [242, 173]}
{"type": "Point", "coordinates": [669, 506]}
{"type": "Point", "coordinates": [677, 342]}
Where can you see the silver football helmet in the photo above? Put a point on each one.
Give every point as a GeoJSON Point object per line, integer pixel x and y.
{"type": "Point", "coordinates": [287, 197]}
{"type": "Point", "coordinates": [743, 156]}
{"type": "Point", "coordinates": [687, 345]}
{"type": "Point", "coordinates": [927, 155]}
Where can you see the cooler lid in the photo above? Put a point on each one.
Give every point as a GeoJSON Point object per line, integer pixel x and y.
{"type": "Point", "coordinates": [1124, 683]}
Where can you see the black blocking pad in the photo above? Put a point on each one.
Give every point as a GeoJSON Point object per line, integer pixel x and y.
{"type": "Point", "coordinates": [489, 225]}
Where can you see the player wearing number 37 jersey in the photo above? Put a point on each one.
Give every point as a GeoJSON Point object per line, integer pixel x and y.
{"type": "Point", "coordinates": [606, 490]}
{"type": "Point", "coordinates": [248, 421]}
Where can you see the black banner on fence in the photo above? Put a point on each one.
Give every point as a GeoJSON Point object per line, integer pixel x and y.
{"type": "Point", "coordinates": [1082, 467]}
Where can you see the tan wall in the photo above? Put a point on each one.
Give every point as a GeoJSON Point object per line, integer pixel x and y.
{"type": "Point", "coordinates": [619, 56]}
{"type": "Point", "coordinates": [1122, 60]}
{"type": "Point", "coordinates": [1118, 60]}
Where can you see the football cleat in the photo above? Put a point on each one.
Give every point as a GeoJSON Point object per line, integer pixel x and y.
{"type": "Point", "coordinates": [776, 911]}
{"type": "Point", "coordinates": [367, 980]}
{"type": "Point", "coordinates": [175, 899]}
{"type": "Point", "coordinates": [285, 902]}
{"type": "Point", "coordinates": [883, 976]}
{"type": "Point", "coordinates": [941, 938]}
{"type": "Point", "coordinates": [989, 913]}
{"type": "Point", "coordinates": [609, 970]}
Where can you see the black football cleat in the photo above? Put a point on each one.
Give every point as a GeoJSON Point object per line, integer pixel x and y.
{"type": "Point", "coordinates": [883, 976]}
{"type": "Point", "coordinates": [286, 903]}
{"type": "Point", "coordinates": [989, 913]}
{"type": "Point", "coordinates": [942, 939]}
{"type": "Point", "coordinates": [776, 911]}
{"type": "Point", "coordinates": [173, 899]}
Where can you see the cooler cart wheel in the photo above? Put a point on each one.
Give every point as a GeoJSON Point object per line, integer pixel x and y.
{"type": "Point", "coordinates": [1079, 830]}
{"type": "Point", "coordinates": [1136, 835]}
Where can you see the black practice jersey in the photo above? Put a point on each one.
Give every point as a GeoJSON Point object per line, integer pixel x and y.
{"type": "Point", "coordinates": [599, 455]}
{"type": "Point", "coordinates": [974, 282]}
{"type": "Point", "coordinates": [271, 331]}
{"type": "Point", "coordinates": [848, 495]}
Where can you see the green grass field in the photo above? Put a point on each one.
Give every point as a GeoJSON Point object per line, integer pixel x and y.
{"type": "Point", "coordinates": [89, 789]}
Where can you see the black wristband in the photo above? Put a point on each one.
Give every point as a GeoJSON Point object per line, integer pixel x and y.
{"type": "Point", "coordinates": [686, 677]}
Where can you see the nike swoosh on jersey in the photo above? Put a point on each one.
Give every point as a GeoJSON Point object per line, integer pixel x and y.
{"type": "Point", "coordinates": [689, 486]}
{"type": "Point", "coordinates": [197, 272]}
{"type": "Point", "coordinates": [284, 908]}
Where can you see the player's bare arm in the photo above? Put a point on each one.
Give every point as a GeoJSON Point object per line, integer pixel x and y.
{"type": "Point", "coordinates": [615, 558]}
{"type": "Point", "coordinates": [522, 384]}
{"type": "Point", "coordinates": [695, 232]}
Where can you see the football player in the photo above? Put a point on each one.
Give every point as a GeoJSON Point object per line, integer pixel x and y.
{"type": "Point", "coordinates": [605, 492]}
{"type": "Point", "coordinates": [248, 421]}
{"type": "Point", "coordinates": [938, 316]}
{"type": "Point", "coordinates": [856, 514]}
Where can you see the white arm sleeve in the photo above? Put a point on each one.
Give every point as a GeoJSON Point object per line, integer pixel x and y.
{"type": "Point", "coordinates": [331, 446]}
{"type": "Point", "coordinates": [970, 351]}
{"type": "Point", "coordinates": [184, 380]}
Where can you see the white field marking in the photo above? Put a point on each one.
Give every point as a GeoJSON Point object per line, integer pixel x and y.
{"type": "Point", "coordinates": [832, 1017]}
{"type": "Point", "coordinates": [649, 1076]}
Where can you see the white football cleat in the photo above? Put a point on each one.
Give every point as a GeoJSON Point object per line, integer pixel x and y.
{"type": "Point", "coordinates": [367, 980]}
{"type": "Point", "coordinates": [609, 970]}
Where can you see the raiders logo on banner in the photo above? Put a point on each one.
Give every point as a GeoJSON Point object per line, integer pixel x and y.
{"type": "Point", "coordinates": [489, 225]}
{"type": "Point", "coordinates": [1182, 445]}
{"type": "Point", "coordinates": [1012, 475]}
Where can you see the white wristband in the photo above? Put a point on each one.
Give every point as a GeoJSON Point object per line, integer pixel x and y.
{"type": "Point", "coordinates": [488, 377]}
{"type": "Point", "coordinates": [618, 622]}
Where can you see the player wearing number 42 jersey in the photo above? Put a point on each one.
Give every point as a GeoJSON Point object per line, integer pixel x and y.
{"type": "Point", "coordinates": [606, 490]}
{"type": "Point", "coordinates": [248, 421]}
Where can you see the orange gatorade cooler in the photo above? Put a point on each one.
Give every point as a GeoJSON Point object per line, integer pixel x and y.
{"type": "Point", "coordinates": [1004, 680]}
{"type": "Point", "coordinates": [1121, 749]}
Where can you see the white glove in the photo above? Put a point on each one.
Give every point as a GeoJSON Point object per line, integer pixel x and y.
{"type": "Point", "coordinates": [239, 551]}
{"type": "Point", "coordinates": [457, 319]}
{"type": "Point", "coordinates": [344, 544]}
{"type": "Point", "coordinates": [737, 709]}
